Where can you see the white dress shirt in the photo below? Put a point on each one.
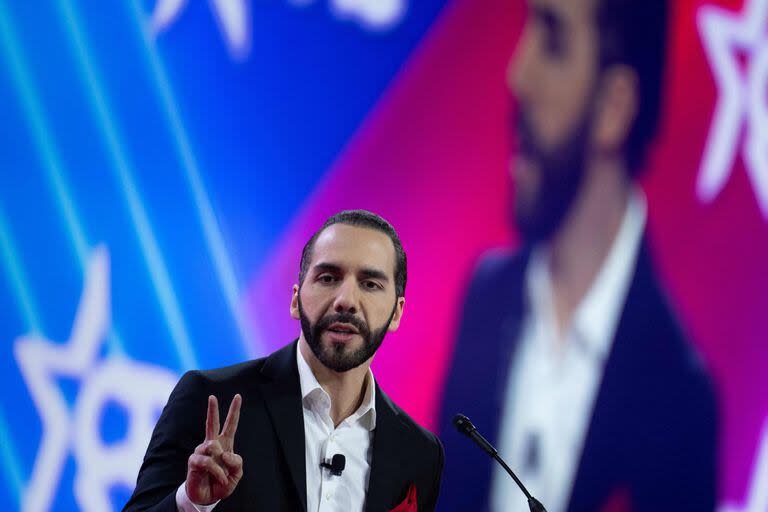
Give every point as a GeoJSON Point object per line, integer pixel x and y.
{"type": "Point", "coordinates": [353, 438]}
{"type": "Point", "coordinates": [554, 379]}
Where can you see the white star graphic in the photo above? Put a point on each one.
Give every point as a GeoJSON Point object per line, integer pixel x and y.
{"type": "Point", "coordinates": [373, 14]}
{"type": "Point", "coordinates": [232, 17]}
{"type": "Point", "coordinates": [757, 495]}
{"type": "Point", "coordinates": [138, 388]}
{"type": "Point", "coordinates": [742, 99]}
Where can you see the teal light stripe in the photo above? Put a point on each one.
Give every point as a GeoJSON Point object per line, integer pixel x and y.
{"type": "Point", "coordinates": [36, 120]}
{"type": "Point", "coordinates": [40, 133]}
{"type": "Point", "coordinates": [206, 216]}
{"type": "Point", "coordinates": [28, 310]}
{"type": "Point", "coordinates": [17, 278]}
{"type": "Point", "coordinates": [150, 248]}
{"type": "Point", "coordinates": [10, 461]}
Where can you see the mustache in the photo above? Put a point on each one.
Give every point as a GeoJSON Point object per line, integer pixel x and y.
{"type": "Point", "coordinates": [344, 318]}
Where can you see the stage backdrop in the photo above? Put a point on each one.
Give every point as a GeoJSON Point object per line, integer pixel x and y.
{"type": "Point", "coordinates": [163, 161]}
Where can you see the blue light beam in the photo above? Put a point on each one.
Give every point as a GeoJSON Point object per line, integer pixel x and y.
{"type": "Point", "coordinates": [17, 278]}
{"type": "Point", "coordinates": [152, 255]}
{"type": "Point", "coordinates": [10, 460]}
{"type": "Point", "coordinates": [206, 215]}
{"type": "Point", "coordinates": [45, 148]}
{"type": "Point", "coordinates": [28, 310]}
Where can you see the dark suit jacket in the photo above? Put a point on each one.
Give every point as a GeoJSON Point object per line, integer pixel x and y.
{"type": "Point", "coordinates": [652, 433]}
{"type": "Point", "coordinates": [270, 438]}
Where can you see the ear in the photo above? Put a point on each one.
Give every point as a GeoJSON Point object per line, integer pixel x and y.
{"type": "Point", "coordinates": [616, 109]}
{"type": "Point", "coordinates": [295, 303]}
{"type": "Point", "coordinates": [395, 323]}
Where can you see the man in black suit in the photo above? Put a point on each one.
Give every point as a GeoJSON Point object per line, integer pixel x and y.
{"type": "Point", "coordinates": [569, 358]}
{"type": "Point", "coordinates": [292, 411]}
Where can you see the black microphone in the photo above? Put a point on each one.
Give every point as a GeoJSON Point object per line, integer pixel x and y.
{"type": "Point", "coordinates": [466, 427]}
{"type": "Point", "coordinates": [337, 465]}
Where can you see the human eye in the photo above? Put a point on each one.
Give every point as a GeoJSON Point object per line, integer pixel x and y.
{"type": "Point", "coordinates": [326, 278]}
{"type": "Point", "coordinates": [553, 42]}
{"type": "Point", "coordinates": [550, 34]}
{"type": "Point", "coordinates": [371, 285]}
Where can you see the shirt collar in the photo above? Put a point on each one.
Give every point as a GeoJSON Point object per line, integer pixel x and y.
{"type": "Point", "coordinates": [313, 392]}
{"type": "Point", "coordinates": [597, 315]}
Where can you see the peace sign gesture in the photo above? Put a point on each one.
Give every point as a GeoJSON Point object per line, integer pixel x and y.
{"type": "Point", "coordinates": [214, 470]}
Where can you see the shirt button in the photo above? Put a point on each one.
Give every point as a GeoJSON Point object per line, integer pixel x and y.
{"type": "Point", "coordinates": [327, 496]}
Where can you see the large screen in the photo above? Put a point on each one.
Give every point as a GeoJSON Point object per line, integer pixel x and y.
{"type": "Point", "coordinates": [163, 162]}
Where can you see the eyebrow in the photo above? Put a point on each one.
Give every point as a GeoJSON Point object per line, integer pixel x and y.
{"type": "Point", "coordinates": [327, 267]}
{"type": "Point", "coordinates": [370, 273]}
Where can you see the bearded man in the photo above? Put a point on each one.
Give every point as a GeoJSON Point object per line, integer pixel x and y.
{"type": "Point", "coordinates": [569, 357]}
{"type": "Point", "coordinates": [308, 427]}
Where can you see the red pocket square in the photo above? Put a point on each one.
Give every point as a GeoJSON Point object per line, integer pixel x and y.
{"type": "Point", "coordinates": [619, 501]}
{"type": "Point", "coordinates": [409, 504]}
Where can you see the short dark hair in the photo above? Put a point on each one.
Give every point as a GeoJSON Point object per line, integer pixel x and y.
{"type": "Point", "coordinates": [365, 219]}
{"type": "Point", "coordinates": [634, 33]}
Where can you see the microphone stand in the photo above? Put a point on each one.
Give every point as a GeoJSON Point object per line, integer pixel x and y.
{"type": "Point", "coordinates": [533, 504]}
{"type": "Point", "coordinates": [465, 426]}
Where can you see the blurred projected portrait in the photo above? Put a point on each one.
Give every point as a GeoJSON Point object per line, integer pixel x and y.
{"type": "Point", "coordinates": [569, 356]}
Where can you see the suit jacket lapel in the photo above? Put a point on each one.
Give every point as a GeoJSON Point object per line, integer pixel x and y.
{"type": "Point", "coordinates": [614, 425]}
{"type": "Point", "coordinates": [487, 339]}
{"type": "Point", "coordinates": [504, 337]}
{"type": "Point", "coordinates": [385, 480]}
{"type": "Point", "coordinates": [282, 395]}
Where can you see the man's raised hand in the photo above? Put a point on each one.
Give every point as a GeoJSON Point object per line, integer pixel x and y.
{"type": "Point", "coordinates": [214, 470]}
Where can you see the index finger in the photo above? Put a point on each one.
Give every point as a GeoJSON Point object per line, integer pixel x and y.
{"type": "Point", "coordinates": [233, 417]}
{"type": "Point", "coordinates": [212, 419]}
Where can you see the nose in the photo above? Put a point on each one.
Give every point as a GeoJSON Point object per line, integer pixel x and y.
{"type": "Point", "coordinates": [347, 298]}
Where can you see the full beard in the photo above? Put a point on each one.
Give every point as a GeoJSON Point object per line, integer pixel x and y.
{"type": "Point", "coordinates": [561, 175]}
{"type": "Point", "coordinates": [339, 357]}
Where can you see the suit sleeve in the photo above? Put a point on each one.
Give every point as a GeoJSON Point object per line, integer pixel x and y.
{"type": "Point", "coordinates": [431, 503]}
{"type": "Point", "coordinates": [179, 430]}
{"type": "Point", "coordinates": [695, 463]}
